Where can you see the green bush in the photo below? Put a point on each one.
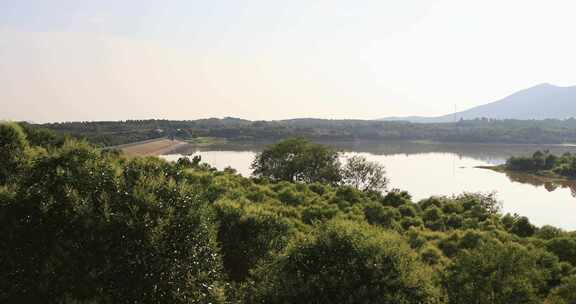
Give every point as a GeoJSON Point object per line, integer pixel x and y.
{"type": "Point", "coordinates": [408, 210]}
{"type": "Point", "coordinates": [396, 197]}
{"type": "Point", "coordinates": [78, 227]}
{"type": "Point", "coordinates": [319, 212]}
{"type": "Point", "coordinates": [431, 255]}
{"type": "Point", "coordinates": [86, 225]}
{"type": "Point", "coordinates": [495, 273]}
{"type": "Point", "coordinates": [247, 235]}
{"type": "Point", "coordinates": [384, 216]}
{"type": "Point", "coordinates": [564, 248]}
{"type": "Point", "coordinates": [13, 149]}
{"type": "Point", "coordinates": [290, 196]}
{"type": "Point", "coordinates": [522, 227]}
{"type": "Point", "coordinates": [565, 293]}
{"type": "Point", "coordinates": [347, 262]}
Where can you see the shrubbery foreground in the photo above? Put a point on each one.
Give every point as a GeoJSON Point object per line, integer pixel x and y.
{"type": "Point", "coordinates": [82, 225]}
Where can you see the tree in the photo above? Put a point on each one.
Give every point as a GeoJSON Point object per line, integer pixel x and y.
{"type": "Point", "coordinates": [346, 262]}
{"type": "Point", "coordinates": [298, 160]}
{"type": "Point", "coordinates": [564, 248]}
{"type": "Point", "coordinates": [187, 162]}
{"type": "Point", "coordinates": [548, 232]}
{"type": "Point", "coordinates": [481, 204]}
{"type": "Point", "coordinates": [43, 137]}
{"type": "Point", "coordinates": [13, 147]}
{"type": "Point", "coordinates": [522, 227]}
{"type": "Point", "coordinates": [364, 175]}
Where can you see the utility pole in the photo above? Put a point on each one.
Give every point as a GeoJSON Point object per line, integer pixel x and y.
{"type": "Point", "coordinates": [455, 112]}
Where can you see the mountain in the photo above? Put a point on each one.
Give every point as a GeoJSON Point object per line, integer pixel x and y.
{"type": "Point", "coordinates": [539, 102]}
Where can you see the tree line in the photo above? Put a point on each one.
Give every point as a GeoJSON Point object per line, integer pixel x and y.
{"type": "Point", "coordinates": [543, 162]}
{"type": "Point", "coordinates": [85, 225]}
{"type": "Point", "coordinates": [477, 131]}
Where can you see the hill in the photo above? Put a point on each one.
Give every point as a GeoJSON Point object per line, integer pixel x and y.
{"type": "Point", "coordinates": [544, 101]}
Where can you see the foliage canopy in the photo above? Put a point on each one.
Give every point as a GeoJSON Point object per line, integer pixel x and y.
{"type": "Point", "coordinates": [83, 225]}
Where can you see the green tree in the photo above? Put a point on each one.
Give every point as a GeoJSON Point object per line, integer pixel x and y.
{"type": "Point", "coordinates": [13, 148]}
{"type": "Point", "coordinates": [364, 175]}
{"type": "Point", "coordinates": [39, 136]}
{"type": "Point", "coordinates": [564, 248]}
{"type": "Point", "coordinates": [522, 227]}
{"type": "Point", "coordinates": [298, 160]}
{"type": "Point", "coordinates": [548, 232]}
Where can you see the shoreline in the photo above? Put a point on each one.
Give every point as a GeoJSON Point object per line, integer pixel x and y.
{"type": "Point", "coordinates": [542, 176]}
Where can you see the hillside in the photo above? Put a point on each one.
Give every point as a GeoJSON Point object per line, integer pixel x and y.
{"type": "Point", "coordinates": [480, 131]}
{"type": "Point", "coordinates": [544, 101]}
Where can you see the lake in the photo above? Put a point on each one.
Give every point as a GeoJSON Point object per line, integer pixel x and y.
{"type": "Point", "coordinates": [426, 169]}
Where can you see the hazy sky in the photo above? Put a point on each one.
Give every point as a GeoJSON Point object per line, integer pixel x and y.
{"type": "Point", "coordinates": [266, 59]}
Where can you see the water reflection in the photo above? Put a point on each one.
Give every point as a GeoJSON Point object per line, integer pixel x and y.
{"type": "Point", "coordinates": [491, 153]}
{"type": "Point", "coordinates": [539, 181]}
{"type": "Point", "coordinates": [426, 169]}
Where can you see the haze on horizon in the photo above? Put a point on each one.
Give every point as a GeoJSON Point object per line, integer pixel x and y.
{"type": "Point", "coordinates": [257, 59]}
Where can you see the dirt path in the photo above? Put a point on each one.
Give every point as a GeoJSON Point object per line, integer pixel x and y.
{"type": "Point", "coordinates": [150, 147]}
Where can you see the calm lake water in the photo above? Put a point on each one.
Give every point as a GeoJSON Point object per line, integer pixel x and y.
{"type": "Point", "coordinates": [426, 169]}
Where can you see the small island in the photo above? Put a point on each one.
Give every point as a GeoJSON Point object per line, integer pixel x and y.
{"type": "Point", "coordinates": [541, 163]}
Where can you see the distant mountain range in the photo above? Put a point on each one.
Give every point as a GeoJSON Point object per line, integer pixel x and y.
{"type": "Point", "coordinates": [543, 101]}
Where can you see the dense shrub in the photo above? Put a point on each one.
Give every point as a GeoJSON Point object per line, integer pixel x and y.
{"type": "Point", "coordinates": [522, 227]}
{"type": "Point", "coordinates": [544, 162]}
{"type": "Point", "coordinates": [495, 273]}
{"type": "Point", "coordinates": [80, 224]}
{"type": "Point", "coordinates": [77, 227]}
{"type": "Point", "coordinates": [247, 235]}
{"type": "Point", "coordinates": [13, 149]}
{"type": "Point", "coordinates": [346, 262]}
{"type": "Point", "coordinates": [564, 248]}
{"type": "Point", "coordinates": [384, 216]}
{"type": "Point", "coordinates": [565, 293]}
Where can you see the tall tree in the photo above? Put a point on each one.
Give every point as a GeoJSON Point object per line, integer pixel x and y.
{"type": "Point", "coordinates": [364, 175]}
{"type": "Point", "coordinates": [298, 160]}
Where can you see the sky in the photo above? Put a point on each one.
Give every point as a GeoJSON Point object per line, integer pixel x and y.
{"type": "Point", "coordinates": [79, 60]}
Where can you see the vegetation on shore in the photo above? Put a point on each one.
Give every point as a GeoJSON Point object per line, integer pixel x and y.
{"type": "Point", "coordinates": [543, 164]}
{"type": "Point", "coordinates": [85, 225]}
{"type": "Point", "coordinates": [233, 129]}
